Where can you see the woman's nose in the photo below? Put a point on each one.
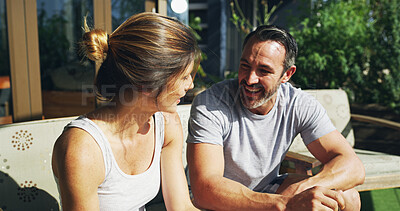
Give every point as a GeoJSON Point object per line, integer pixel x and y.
{"type": "Point", "coordinates": [191, 86]}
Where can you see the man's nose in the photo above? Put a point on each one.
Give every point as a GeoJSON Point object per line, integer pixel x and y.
{"type": "Point", "coordinates": [252, 78]}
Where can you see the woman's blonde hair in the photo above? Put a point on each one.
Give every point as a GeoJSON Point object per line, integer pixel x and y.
{"type": "Point", "coordinates": [147, 51]}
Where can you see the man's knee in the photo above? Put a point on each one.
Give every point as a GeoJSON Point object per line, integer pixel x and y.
{"type": "Point", "coordinates": [352, 198]}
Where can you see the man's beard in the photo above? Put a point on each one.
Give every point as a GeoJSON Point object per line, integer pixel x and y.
{"type": "Point", "coordinates": [265, 97]}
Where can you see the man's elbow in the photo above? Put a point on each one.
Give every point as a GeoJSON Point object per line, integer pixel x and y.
{"type": "Point", "coordinates": [202, 194]}
{"type": "Point", "coordinates": [199, 198]}
{"type": "Point", "coordinates": [198, 201]}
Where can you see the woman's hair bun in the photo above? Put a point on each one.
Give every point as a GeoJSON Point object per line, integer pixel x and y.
{"type": "Point", "coordinates": [94, 44]}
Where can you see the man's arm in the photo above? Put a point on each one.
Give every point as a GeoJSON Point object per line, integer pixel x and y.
{"type": "Point", "coordinates": [342, 169]}
{"type": "Point", "coordinates": [213, 191]}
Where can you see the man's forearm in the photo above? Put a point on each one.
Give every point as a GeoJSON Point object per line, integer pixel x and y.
{"type": "Point", "coordinates": [340, 173]}
{"type": "Point", "coordinates": [220, 193]}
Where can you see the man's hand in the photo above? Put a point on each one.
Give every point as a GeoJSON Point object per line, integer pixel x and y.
{"type": "Point", "coordinates": [292, 189]}
{"type": "Point", "coordinates": [317, 198]}
{"type": "Point", "coordinates": [294, 184]}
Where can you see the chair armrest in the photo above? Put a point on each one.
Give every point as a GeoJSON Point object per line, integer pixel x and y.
{"type": "Point", "coordinates": [303, 163]}
{"type": "Point", "coordinates": [376, 121]}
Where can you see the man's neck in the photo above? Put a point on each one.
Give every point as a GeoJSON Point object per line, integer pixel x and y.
{"type": "Point", "coordinates": [266, 107]}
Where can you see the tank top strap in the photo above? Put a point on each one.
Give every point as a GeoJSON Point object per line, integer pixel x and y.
{"type": "Point", "coordinates": [159, 123]}
{"type": "Point", "coordinates": [90, 127]}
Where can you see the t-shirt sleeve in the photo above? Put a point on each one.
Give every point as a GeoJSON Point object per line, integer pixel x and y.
{"type": "Point", "coordinates": [313, 119]}
{"type": "Point", "coordinates": [206, 122]}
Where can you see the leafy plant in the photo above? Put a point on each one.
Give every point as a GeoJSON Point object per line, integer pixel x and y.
{"type": "Point", "coordinates": [59, 32]}
{"type": "Point", "coordinates": [353, 45]}
{"type": "Point", "coordinates": [243, 24]}
{"type": "Point", "coordinates": [54, 45]}
{"type": "Point", "coordinates": [202, 79]}
{"type": "Point", "coordinates": [333, 46]}
{"type": "Point", "coordinates": [384, 71]}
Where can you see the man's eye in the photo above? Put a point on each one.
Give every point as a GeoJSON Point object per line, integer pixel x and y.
{"type": "Point", "coordinates": [265, 72]}
{"type": "Point", "coordinates": [244, 66]}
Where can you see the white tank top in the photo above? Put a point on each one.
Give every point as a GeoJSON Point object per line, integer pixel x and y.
{"type": "Point", "coordinates": [120, 191]}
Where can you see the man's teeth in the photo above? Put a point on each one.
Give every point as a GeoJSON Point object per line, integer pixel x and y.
{"type": "Point", "coordinates": [253, 89]}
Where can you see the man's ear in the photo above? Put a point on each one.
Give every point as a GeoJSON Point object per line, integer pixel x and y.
{"type": "Point", "coordinates": [286, 77]}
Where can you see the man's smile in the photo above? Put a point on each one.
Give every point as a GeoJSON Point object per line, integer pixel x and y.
{"type": "Point", "coordinates": [252, 89]}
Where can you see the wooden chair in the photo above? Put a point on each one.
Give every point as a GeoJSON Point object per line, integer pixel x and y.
{"type": "Point", "coordinates": [382, 170]}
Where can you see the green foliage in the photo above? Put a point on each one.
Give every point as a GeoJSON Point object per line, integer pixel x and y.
{"type": "Point", "coordinates": [59, 32]}
{"type": "Point", "coordinates": [54, 47]}
{"type": "Point", "coordinates": [384, 71]}
{"type": "Point", "coordinates": [202, 79]}
{"type": "Point", "coordinates": [194, 23]}
{"type": "Point", "coordinates": [123, 9]}
{"type": "Point", "coordinates": [353, 45]}
{"type": "Point", "coordinates": [243, 24]}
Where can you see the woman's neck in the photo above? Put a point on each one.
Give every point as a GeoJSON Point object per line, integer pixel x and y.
{"type": "Point", "coordinates": [128, 119]}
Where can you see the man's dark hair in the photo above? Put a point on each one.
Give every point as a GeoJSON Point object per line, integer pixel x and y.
{"type": "Point", "coordinates": [278, 34]}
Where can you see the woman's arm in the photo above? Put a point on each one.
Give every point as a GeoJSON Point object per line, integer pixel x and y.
{"type": "Point", "coordinates": [78, 164]}
{"type": "Point", "coordinates": [174, 184]}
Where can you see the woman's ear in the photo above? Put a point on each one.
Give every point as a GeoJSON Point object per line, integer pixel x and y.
{"type": "Point", "coordinates": [286, 77]}
{"type": "Point", "coordinates": [147, 93]}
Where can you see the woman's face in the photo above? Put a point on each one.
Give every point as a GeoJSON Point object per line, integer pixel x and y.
{"type": "Point", "coordinates": [170, 97]}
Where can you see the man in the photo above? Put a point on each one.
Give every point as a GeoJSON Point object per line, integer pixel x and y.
{"type": "Point", "coordinates": [241, 129]}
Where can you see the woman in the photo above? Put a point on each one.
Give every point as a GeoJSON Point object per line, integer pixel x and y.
{"type": "Point", "coordinates": [114, 157]}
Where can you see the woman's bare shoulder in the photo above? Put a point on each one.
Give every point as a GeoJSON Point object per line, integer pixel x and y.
{"type": "Point", "coordinates": [76, 151]}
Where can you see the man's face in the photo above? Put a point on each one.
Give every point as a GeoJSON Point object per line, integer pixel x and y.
{"type": "Point", "coordinates": [260, 72]}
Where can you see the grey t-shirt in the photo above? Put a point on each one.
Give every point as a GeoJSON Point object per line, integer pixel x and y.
{"type": "Point", "coordinates": [255, 145]}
